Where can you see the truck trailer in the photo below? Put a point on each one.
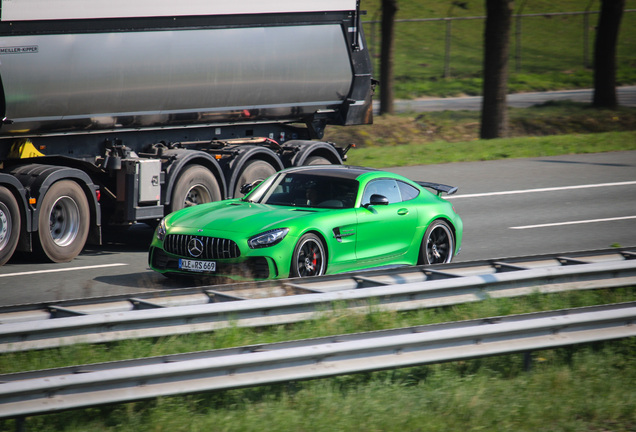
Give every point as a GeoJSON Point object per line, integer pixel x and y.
{"type": "Point", "coordinates": [117, 112]}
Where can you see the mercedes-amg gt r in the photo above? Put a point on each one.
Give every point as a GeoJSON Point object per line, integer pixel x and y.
{"type": "Point", "coordinates": [309, 221]}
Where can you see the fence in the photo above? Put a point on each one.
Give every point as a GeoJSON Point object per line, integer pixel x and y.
{"type": "Point", "coordinates": [518, 32]}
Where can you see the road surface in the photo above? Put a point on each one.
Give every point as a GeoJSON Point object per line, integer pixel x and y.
{"type": "Point", "coordinates": [510, 208]}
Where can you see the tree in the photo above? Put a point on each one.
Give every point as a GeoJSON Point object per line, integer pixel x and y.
{"type": "Point", "coordinates": [494, 112]}
{"type": "Point", "coordinates": [605, 53]}
{"type": "Point", "coordinates": [389, 9]}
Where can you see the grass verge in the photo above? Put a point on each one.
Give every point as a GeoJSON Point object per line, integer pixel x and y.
{"type": "Point", "coordinates": [444, 152]}
{"type": "Point", "coordinates": [554, 128]}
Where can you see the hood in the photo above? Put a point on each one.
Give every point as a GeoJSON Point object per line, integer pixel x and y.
{"type": "Point", "coordinates": [236, 216]}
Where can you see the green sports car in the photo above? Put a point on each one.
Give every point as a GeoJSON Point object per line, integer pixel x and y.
{"type": "Point", "coordinates": [310, 221]}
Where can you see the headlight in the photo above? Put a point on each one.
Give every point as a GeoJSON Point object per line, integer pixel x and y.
{"type": "Point", "coordinates": [161, 230]}
{"type": "Point", "coordinates": [268, 238]}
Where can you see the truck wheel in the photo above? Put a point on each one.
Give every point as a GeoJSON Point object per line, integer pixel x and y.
{"type": "Point", "coordinates": [317, 160]}
{"type": "Point", "coordinates": [63, 222]}
{"type": "Point", "coordinates": [195, 185]}
{"type": "Point", "coordinates": [9, 224]}
{"type": "Point", "coordinates": [254, 170]}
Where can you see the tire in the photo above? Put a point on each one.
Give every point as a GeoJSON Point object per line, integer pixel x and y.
{"type": "Point", "coordinates": [62, 222]}
{"type": "Point", "coordinates": [9, 224]}
{"type": "Point", "coordinates": [195, 185]}
{"type": "Point", "coordinates": [310, 257]}
{"type": "Point", "coordinates": [438, 244]}
{"type": "Point", "coordinates": [254, 170]}
{"type": "Point", "coordinates": [317, 160]}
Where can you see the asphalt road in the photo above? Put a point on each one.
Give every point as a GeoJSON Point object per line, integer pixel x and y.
{"type": "Point", "coordinates": [541, 205]}
{"type": "Point", "coordinates": [509, 207]}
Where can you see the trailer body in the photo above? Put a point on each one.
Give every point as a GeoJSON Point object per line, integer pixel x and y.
{"type": "Point", "coordinates": [117, 113]}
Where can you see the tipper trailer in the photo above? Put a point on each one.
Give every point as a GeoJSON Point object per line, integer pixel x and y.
{"type": "Point", "coordinates": [116, 112]}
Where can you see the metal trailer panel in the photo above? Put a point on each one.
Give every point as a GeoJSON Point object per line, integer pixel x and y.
{"type": "Point", "coordinates": [108, 81]}
{"type": "Point", "coordinates": [27, 10]}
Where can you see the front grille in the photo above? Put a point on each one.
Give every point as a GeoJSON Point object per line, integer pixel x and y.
{"type": "Point", "coordinates": [213, 248]}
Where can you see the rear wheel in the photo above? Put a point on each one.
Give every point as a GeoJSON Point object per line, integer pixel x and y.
{"type": "Point", "coordinates": [310, 258]}
{"type": "Point", "coordinates": [438, 244]}
{"type": "Point", "coordinates": [63, 222]}
{"type": "Point", "coordinates": [253, 171]}
{"type": "Point", "coordinates": [9, 224]}
{"type": "Point", "coordinates": [195, 185]}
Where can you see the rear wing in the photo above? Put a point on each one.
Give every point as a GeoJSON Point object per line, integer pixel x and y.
{"type": "Point", "coordinates": [439, 188]}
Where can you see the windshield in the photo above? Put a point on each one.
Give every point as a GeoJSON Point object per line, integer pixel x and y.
{"type": "Point", "coordinates": [307, 190]}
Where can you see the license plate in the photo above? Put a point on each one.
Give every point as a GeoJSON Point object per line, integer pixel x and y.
{"type": "Point", "coordinates": [197, 266]}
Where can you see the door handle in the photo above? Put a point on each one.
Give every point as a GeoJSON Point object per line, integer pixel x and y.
{"type": "Point", "coordinates": [403, 211]}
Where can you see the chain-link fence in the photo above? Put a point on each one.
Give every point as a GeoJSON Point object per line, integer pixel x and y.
{"type": "Point", "coordinates": [542, 42]}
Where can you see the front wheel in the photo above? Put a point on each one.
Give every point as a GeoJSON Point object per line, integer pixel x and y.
{"type": "Point", "coordinates": [310, 258]}
{"type": "Point", "coordinates": [438, 244]}
{"type": "Point", "coordinates": [63, 222]}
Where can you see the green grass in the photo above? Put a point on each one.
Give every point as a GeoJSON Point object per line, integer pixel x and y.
{"type": "Point", "coordinates": [550, 129]}
{"type": "Point", "coordinates": [522, 147]}
{"type": "Point", "coordinates": [576, 388]}
{"type": "Point", "coordinates": [586, 389]}
{"type": "Point", "coordinates": [551, 48]}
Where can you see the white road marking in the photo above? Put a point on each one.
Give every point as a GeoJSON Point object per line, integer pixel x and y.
{"type": "Point", "coordinates": [62, 270]}
{"type": "Point", "coordinates": [573, 222]}
{"type": "Point", "coordinates": [551, 189]}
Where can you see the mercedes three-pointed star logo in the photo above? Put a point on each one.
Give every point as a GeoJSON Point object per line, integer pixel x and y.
{"type": "Point", "coordinates": [195, 247]}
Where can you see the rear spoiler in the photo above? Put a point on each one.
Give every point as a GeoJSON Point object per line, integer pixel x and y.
{"type": "Point", "coordinates": [439, 188]}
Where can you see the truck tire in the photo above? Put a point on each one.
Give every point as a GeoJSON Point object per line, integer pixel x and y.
{"type": "Point", "coordinates": [63, 222]}
{"type": "Point", "coordinates": [317, 160]}
{"type": "Point", "coordinates": [9, 224]}
{"type": "Point", "coordinates": [254, 170]}
{"type": "Point", "coordinates": [195, 185]}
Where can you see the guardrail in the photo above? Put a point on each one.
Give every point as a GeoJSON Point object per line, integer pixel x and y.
{"type": "Point", "coordinates": [252, 290]}
{"type": "Point", "coordinates": [40, 392]}
{"type": "Point", "coordinates": [356, 292]}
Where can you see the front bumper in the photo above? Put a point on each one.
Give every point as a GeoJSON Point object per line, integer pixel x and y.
{"type": "Point", "coordinates": [249, 268]}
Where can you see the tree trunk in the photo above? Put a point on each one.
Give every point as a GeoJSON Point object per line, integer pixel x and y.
{"type": "Point", "coordinates": [389, 9]}
{"type": "Point", "coordinates": [605, 53]}
{"type": "Point", "coordinates": [494, 112]}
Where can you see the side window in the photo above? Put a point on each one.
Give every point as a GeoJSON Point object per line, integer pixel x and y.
{"type": "Point", "coordinates": [387, 187]}
{"type": "Point", "coordinates": [408, 192]}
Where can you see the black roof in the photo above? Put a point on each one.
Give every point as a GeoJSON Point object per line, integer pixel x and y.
{"type": "Point", "coordinates": [339, 171]}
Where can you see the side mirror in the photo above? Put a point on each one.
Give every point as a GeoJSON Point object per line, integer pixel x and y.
{"type": "Point", "coordinates": [247, 187]}
{"type": "Point", "coordinates": [377, 199]}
